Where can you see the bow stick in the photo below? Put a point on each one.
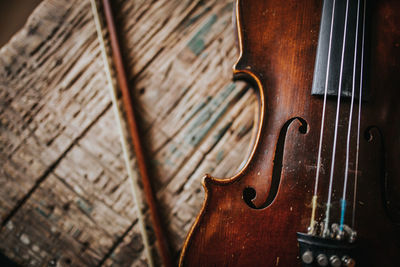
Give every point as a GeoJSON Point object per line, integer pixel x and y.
{"type": "Point", "coordinates": [133, 131]}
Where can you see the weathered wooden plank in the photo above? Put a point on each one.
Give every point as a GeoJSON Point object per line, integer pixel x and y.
{"type": "Point", "coordinates": [54, 228]}
{"type": "Point", "coordinates": [59, 140]}
{"type": "Point", "coordinates": [44, 126]}
{"type": "Point", "coordinates": [41, 119]}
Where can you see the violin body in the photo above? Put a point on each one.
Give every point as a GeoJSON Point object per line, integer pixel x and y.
{"type": "Point", "coordinates": [252, 218]}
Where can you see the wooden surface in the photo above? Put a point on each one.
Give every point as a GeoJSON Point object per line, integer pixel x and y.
{"type": "Point", "coordinates": [64, 195]}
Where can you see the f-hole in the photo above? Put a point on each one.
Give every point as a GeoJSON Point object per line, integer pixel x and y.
{"type": "Point", "coordinates": [249, 193]}
{"type": "Point", "coordinates": [371, 134]}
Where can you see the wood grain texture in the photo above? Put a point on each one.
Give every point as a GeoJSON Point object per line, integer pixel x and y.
{"type": "Point", "coordinates": [64, 194]}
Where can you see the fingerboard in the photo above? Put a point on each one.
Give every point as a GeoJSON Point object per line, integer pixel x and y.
{"type": "Point", "coordinates": [328, 64]}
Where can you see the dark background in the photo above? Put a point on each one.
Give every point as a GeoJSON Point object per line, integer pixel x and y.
{"type": "Point", "coordinates": [13, 15]}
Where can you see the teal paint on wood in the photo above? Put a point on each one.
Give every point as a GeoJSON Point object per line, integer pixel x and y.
{"type": "Point", "coordinates": [209, 108]}
{"type": "Point", "coordinates": [210, 115]}
{"type": "Point", "coordinates": [84, 206]}
{"type": "Point", "coordinates": [222, 131]}
{"type": "Point", "coordinates": [168, 161]}
{"type": "Point", "coordinates": [42, 212]}
{"type": "Point", "coordinates": [197, 43]}
{"type": "Point", "coordinates": [199, 107]}
{"type": "Point", "coordinates": [220, 156]}
{"type": "Point", "coordinates": [173, 148]}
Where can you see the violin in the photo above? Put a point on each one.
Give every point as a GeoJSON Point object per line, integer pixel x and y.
{"type": "Point", "coordinates": [321, 187]}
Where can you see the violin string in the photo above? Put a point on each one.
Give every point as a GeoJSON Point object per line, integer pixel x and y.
{"type": "Point", "coordinates": [359, 119]}
{"type": "Point", "coordinates": [328, 204]}
{"type": "Point", "coordinates": [314, 199]}
{"type": "Point", "coordinates": [346, 172]}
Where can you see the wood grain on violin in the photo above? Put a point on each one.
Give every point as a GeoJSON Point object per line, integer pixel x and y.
{"type": "Point", "coordinates": [252, 218]}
